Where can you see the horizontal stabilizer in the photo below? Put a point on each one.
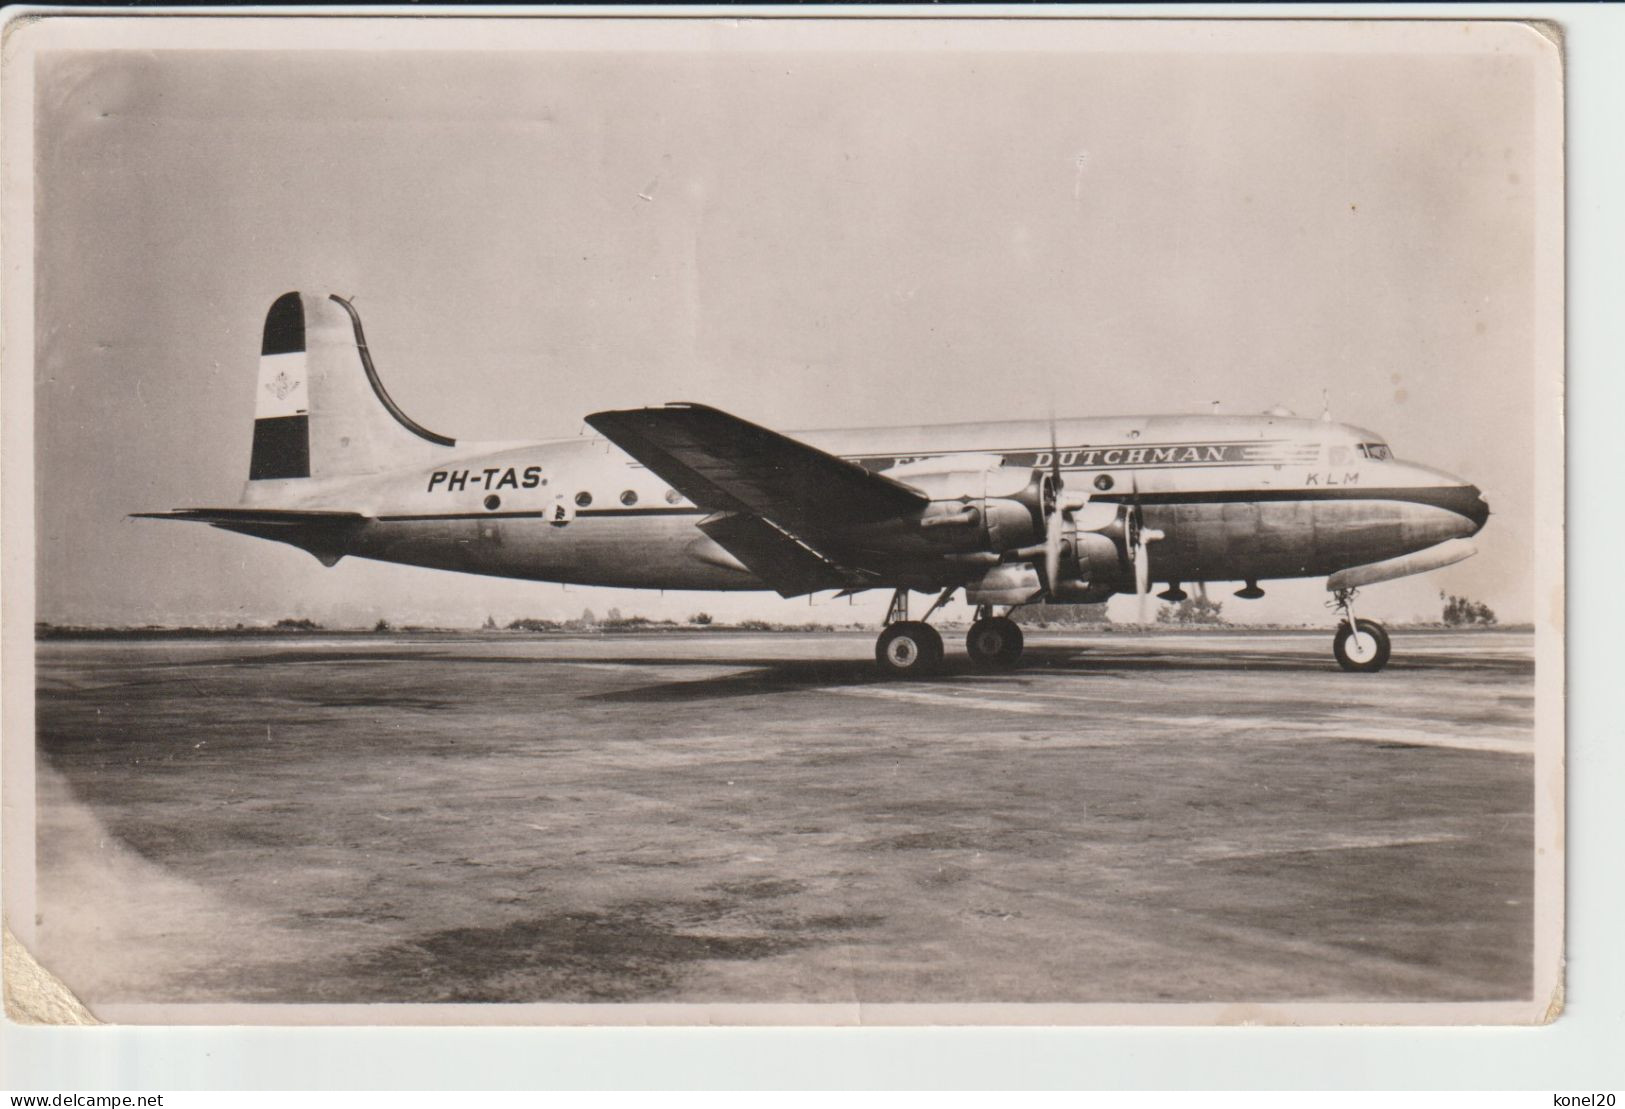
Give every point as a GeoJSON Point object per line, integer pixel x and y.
{"type": "Point", "coordinates": [725, 464]}
{"type": "Point", "coordinates": [324, 534]}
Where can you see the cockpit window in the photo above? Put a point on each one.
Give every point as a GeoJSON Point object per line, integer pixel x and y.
{"type": "Point", "coordinates": [1377, 452]}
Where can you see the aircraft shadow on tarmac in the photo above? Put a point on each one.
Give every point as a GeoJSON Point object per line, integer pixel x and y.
{"type": "Point", "coordinates": [791, 675]}
{"type": "Point", "coordinates": [752, 675]}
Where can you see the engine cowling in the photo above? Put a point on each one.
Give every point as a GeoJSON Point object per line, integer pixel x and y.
{"type": "Point", "coordinates": [993, 519]}
{"type": "Point", "coordinates": [977, 502]}
{"type": "Point", "coordinates": [1092, 566]}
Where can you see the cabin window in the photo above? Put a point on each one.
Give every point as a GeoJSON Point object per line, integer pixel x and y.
{"type": "Point", "coordinates": [673, 496]}
{"type": "Point", "coordinates": [1377, 452]}
{"type": "Point", "coordinates": [583, 499]}
{"type": "Point", "coordinates": [629, 498]}
{"type": "Point", "coordinates": [493, 502]}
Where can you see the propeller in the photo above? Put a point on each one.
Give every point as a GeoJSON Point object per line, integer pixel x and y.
{"type": "Point", "coordinates": [1140, 538]}
{"type": "Point", "coordinates": [1059, 510]}
{"type": "Point", "coordinates": [1053, 524]}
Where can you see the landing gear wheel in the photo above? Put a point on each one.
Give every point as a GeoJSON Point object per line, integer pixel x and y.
{"type": "Point", "coordinates": [994, 643]}
{"type": "Point", "coordinates": [1364, 651]}
{"type": "Point", "coordinates": [909, 649]}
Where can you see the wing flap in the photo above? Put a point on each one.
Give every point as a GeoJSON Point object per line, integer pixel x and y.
{"type": "Point", "coordinates": [787, 564]}
{"type": "Point", "coordinates": [726, 464]}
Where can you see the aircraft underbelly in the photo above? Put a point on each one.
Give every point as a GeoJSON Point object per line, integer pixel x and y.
{"type": "Point", "coordinates": [1235, 540]}
{"type": "Point", "coordinates": [636, 551]}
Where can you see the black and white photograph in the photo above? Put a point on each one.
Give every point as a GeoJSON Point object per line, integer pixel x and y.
{"type": "Point", "coordinates": [785, 521]}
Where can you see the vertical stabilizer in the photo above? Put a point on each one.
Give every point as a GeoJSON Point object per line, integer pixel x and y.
{"type": "Point", "coordinates": [321, 410]}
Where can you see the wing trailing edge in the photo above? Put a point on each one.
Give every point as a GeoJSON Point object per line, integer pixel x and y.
{"type": "Point", "coordinates": [789, 565]}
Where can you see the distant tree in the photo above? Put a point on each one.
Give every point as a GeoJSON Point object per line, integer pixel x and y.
{"type": "Point", "coordinates": [1065, 615]}
{"type": "Point", "coordinates": [700, 618]}
{"type": "Point", "coordinates": [588, 618]}
{"type": "Point", "coordinates": [1195, 609]}
{"type": "Point", "coordinates": [530, 624]}
{"type": "Point", "coordinates": [382, 625]}
{"type": "Point", "coordinates": [300, 625]}
{"type": "Point", "coordinates": [614, 617]}
{"type": "Point", "coordinates": [490, 623]}
{"type": "Point", "coordinates": [1460, 612]}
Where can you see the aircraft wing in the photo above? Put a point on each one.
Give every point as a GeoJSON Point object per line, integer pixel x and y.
{"type": "Point", "coordinates": [725, 464]}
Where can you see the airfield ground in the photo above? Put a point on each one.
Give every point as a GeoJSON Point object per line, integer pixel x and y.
{"type": "Point", "coordinates": [757, 817]}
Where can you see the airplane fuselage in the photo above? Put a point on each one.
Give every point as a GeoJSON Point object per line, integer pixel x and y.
{"type": "Point", "coordinates": [1236, 497]}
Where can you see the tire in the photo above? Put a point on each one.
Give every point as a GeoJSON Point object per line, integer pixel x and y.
{"type": "Point", "coordinates": [994, 643]}
{"type": "Point", "coordinates": [909, 649]}
{"type": "Point", "coordinates": [1363, 655]}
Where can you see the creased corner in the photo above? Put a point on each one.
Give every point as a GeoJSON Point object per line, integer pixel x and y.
{"type": "Point", "coordinates": [1552, 29]}
{"type": "Point", "coordinates": [1554, 1008]}
{"type": "Point", "coordinates": [33, 994]}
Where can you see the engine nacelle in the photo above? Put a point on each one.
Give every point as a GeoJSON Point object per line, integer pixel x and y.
{"type": "Point", "coordinates": [993, 517]}
{"type": "Point", "coordinates": [1013, 583]}
{"type": "Point", "coordinates": [1092, 567]}
{"type": "Point", "coordinates": [977, 502]}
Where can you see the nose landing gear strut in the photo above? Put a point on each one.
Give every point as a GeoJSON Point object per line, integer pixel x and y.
{"type": "Point", "coordinates": [1361, 646]}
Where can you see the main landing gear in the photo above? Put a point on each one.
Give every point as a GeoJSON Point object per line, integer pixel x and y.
{"type": "Point", "coordinates": [913, 648]}
{"type": "Point", "coordinates": [908, 648]}
{"type": "Point", "coordinates": [994, 642]}
{"type": "Point", "coordinates": [1361, 646]}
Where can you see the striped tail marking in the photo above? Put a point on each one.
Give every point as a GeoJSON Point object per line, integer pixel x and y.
{"type": "Point", "coordinates": [282, 401]}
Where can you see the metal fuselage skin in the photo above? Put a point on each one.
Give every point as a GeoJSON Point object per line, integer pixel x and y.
{"type": "Point", "coordinates": [1236, 497]}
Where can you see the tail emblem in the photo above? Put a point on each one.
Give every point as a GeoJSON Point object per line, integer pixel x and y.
{"type": "Point", "coordinates": [281, 386]}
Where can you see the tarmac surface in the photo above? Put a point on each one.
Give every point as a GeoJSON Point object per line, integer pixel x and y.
{"type": "Point", "coordinates": [730, 817]}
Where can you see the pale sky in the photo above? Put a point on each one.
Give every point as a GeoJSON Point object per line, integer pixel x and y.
{"type": "Point", "coordinates": [831, 238]}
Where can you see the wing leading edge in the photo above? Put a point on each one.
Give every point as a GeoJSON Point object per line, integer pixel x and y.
{"type": "Point", "coordinates": [726, 464]}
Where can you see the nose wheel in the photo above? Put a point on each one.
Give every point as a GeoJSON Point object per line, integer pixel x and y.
{"type": "Point", "coordinates": [1360, 646]}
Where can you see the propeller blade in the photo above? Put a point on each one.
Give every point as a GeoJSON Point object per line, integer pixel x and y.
{"type": "Point", "coordinates": [1054, 458]}
{"type": "Point", "coordinates": [1053, 523]}
{"type": "Point", "coordinates": [1140, 539]}
{"type": "Point", "coordinates": [1052, 549]}
{"type": "Point", "coordinates": [1142, 573]}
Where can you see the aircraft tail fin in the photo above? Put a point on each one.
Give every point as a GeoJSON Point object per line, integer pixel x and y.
{"type": "Point", "coordinates": [320, 408]}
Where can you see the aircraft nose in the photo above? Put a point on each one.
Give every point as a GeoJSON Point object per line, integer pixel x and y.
{"type": "Point", "coordinates": [1475, 508]}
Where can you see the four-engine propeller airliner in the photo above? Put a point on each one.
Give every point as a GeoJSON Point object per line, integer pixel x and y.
{"type": "Point", "coordinates": [1009, 513]}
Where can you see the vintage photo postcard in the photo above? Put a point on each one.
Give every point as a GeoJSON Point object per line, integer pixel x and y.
{"type": "Point", "coordinates": [687, 519]}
